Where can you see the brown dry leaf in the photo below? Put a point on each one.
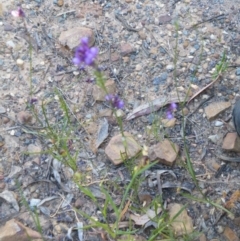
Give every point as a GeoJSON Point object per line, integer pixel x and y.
{"type": "Point", "coordinates": [201, 90]}
{"type": "Point", "coordinates": [154, 105]}
{"type": "Point", "coordinates": [141, 220]}
{"type": "Point", "coordinates": [102, 133]}
{"type": "Point", "coordinates": [124, 210]}
{"type": "Point", "coordinates": [30, 40]}
{"type": "Point", "coordinates": [233, 199]}
{"type": "Point", "coordinates": [10, 197]}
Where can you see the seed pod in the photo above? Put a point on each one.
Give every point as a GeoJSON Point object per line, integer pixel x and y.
{"type": "Point", "coordinates": [236, 116]}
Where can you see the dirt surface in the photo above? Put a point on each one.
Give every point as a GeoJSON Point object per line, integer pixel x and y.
{"type": "Point", "coordinates": [137, 42]}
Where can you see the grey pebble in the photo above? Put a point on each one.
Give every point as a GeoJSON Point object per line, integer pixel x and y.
{"type": "Point", "coordinates": [185, 32]}
{"type": "Point", "coordinates": [156, 81]}
{"type": "Point", "coordinates": [196, 46]}
{"type": "Point", "coordinates": [162, 50]}
{"type": "Point", "coordinates": [160, 79]}
{"type": "Point", "coordinates": [212, 64]}
{"type": "Point", "coordinates": [194, 79]}
{"type": "Point", "coordinates": [139, 6]}
{"type": "Point", "coordinates": [17, 133]}
{"type": "Point", "coordinates": [237, 72]}
{"type": "Point", "coordinates": [2, 110]}
{"type": "Point", "coordinates": [89, 116]}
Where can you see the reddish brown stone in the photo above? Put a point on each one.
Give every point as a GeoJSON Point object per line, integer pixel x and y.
{"type": "Point", "coordinates": [24, 117]}
{"type": "Point", "coordinates": [231, 142]}
{"type": "Point", "coordinates": [99, 94]}
{"type": "Point", "coordinates": [116, 151]}
{"type": "Point", "coordinates": [126, 49]}
{"type": "Point", "coordinates": [165, 152]}
{"type": "Point", "coordinates": [216, 108]}
{"type": "Point", "coordinates": [71, 38]}
{"type": "Point", "coordinates": [230, 235]}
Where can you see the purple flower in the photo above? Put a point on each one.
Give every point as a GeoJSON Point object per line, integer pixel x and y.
{"type": "Point", "coordinates": [115, 101]}
{"type": "Point", "coordinates": [84, 55]}
{"type": "Point", "coordinates": [18, 13]}
{"type": "Point", "coordinates": [33, 101]}
{"type": "Point", "coordinates": [172, 107]}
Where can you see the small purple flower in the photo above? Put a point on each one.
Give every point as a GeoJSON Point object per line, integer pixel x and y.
{"type": "Point", "coordinates": [115, 101]}
{"type": "Point", "coordinates": [172, 107]}
{"type": "Point", "coordinates": [33, 101]}
{"type": "Point", "coordinates": [18, 13]}
{"type": "Point", "coordinates": [84, 55]}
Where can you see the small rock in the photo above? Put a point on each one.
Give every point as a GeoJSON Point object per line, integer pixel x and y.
{"type": "Point", "coordinates": [11, 44]}
{"type": "Point", "coordinates": [34, 150]}
{"type": "Point", "coordinates": [115, 56]}
{"type": "Point", "coordinates": [91, 127]}
{"type": "Point", "coordinates": [164, 19]}
{"type": "Point", "coordinates": [126, 49]}
{"type": "Point", "coordinates": [138, 67]}
{"type": "Point", "coordinates": [216, 139]}
{"type": "Point", "coordinates": [218, 123]}
{"type": "Point", "coordinates": [87, 9]}
{"type": "Point", "coordinates": [165, 152]}
{"type": "Point", "coordinates": [230, 235]}
{"type": "Point", "coordinates": [156, 81]}
{"type": "Point", "coordinates": [105, 113]}
{"type": "Point", "coordinates": [2, 186]}
{"type": "Point", "coordinates": [2, 110]}
{"type": "Point", "coordinates": [59, 3]}
{"type": "Point", "coordinates": [71, 38]}
{"type": "Point", "coordinates": [120, 113]}
{"type": "Point", "coordinates": [185, 111]}
{"type": "Point", "coordinates": [231, 142]}
{"type": "Point", "coordinates": [182, 224]}
{"type": "Point", "coordinates": [20, 63]}
{"type": "Point", "coordinates": [79, 202]}
{"type": "Point", "coordinates": [237, 72]}
{"type": "Point", "coordinates": [14, 230]}
{"type": "Point", "coordinates": [213, 164]}
{"type": "Point", "coordinates": [5, 120]}
{"type": "Point", "coordinates": [169, 123]}
{"type": "Point", "coordinates": [216, 108]}
{"type": "Point", "coordinates": [99, 94]}
{"type": "Point", "coordinates": [142, 35]}
{"type": "Point", "coordinates": [11, 141]}
{"type": "Point", "coordinates": [1, 141]}
{"type": "Point", "coordinates": [185, 44]}
{"type": "Point", "coordinates": [219, 229]}
{"type": "Point", "coordinates": [202, 237]}
{"type": "Point", "coordinates": [170, 67]}
{"type": "Point", "coordinates": [161, 79]}
{"type": "Point", "coordinates": [237, 221]}
{"type": "Point", "coordinates": [115, 149]}
{"type": "Point", "coordinates": [24, 117]}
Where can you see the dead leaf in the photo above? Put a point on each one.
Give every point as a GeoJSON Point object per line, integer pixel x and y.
{"type": "Point", "coordinates": [201, 90]}
{"type": "Point", "coordinates": [25, 35]}
{"type": "Point", "coordinates": [9, 197]}
{"type": "Point", "coordinates": [141, 220]}
{"type": "Point", "coordinates": [102, 133]}
{"type": "Point", "coordinates": [124, 210]}
{"type": "Point", "coordinates": [154, 105]}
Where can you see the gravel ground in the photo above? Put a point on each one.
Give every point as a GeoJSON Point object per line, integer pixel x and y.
{"type": "Point", "coordinates": [137, 42]}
